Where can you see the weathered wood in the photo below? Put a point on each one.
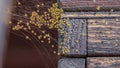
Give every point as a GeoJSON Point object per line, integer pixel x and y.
{"type": "Point", "coordinates": [75, 44]}
{"type": "Point", "coordinates": [90, 5]}
{"type": "Point", "coordinates": [103, 37]}
{"type": "Point", "coordinates": [103, 62]}
{"type": "Point", "coordinates": [91, 15]}
{"type": "Point", "coordinates": [71, 63]}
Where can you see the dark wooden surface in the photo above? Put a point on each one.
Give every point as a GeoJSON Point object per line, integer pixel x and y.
{"type": "Point", "coordinates": [103, 37]}
{"type": "Point", "coordinates": [103, 32]}
{"type": "Point", "coordinates": [90, 5]}
{"type": "Point", "coordinates": [103, 46]}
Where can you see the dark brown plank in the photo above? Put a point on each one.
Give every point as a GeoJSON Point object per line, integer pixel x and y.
{"type": "Point", "coordinates": [90, 5]}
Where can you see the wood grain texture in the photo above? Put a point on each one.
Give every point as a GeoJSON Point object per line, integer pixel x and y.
{"type": "Point", "coordinates": [103, 62]}
{"type": "Point", "coordinates": [91, 15]}
{"type": "Point", "coordinates": [82, 5]}
{"type": "Point", "coordinates": [103, 37]}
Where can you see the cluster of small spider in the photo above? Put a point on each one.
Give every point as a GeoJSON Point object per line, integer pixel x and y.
{"type": "Point", "coordinates": [51, 19]}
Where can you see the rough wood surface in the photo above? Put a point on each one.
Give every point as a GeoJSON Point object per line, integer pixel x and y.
{"type": "Point", "coordinates": [82, 5]}
{"type": "Point", "coordinates": [91, 15]}
{"type": "Point", "coordinates": [103, 62]}
{"type": "Point", "coordinates": [71, 63]}
{"type": "Point", "coordinates": [75, 39]}
{"type": "Point", "coordinates": [103, 37]}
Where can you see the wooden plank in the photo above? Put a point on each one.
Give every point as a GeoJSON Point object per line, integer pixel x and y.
{"type": "Point", "coordinates": [90, 5]}
{"type": "Point", "coordinates": [103, 37]}
{"type": "Point", "coordinates": [86, 15]}
{"type": "Point", "coordinates": [75, 44]}
{"type": "Point", "coordinates": [71, 63]}
{"type": "Point", "coordinates": [103, 62]}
